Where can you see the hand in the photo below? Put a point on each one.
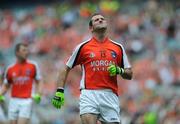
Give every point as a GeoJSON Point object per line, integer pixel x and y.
{"type": "Point", "coordinates": [114, 70]}
{"type": "Point", "coordinates": [58, 99]}
{"type": "Point", "coordinates": [37, 98]}
{"type": "Point", "coordinates": [2, 98]}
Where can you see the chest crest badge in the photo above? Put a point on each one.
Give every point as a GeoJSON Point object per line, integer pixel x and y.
{"type": "Point", "coordinates": [28, 72]}
{"type": "Point", "coordinates": [113, 54]}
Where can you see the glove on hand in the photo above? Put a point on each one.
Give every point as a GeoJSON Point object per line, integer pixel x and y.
{"type": "Point", "coordinates": [37, 98]}
{"type": "Point", "coordinates": [2, 98]}
{"type": "Point", "coordinates": [58, 99]}
{"type": "Point", "coordinates": [114, 70]}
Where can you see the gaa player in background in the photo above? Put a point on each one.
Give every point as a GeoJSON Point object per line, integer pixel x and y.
{"type": "Point", "coordinates": [20, 77]}
{"type": "Point", "coordinates": [102, 60]}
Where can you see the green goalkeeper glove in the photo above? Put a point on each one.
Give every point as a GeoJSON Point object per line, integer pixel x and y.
{"type": "Point", "coordinates": [2, 98]}
{"type": "Point", "coordinates": [37, 98]}
{"type": "Point", "coordinates": [58, 99]}
{"type": "Point", "coordinates": [114, 70]}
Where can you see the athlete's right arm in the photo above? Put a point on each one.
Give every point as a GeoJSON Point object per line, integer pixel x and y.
{"type": "Point", "coordinates": [58, 99]}
{"type": "Point", "coordinates": [75, 59]}
{"type": "Point", "coordinates": [62, 76]}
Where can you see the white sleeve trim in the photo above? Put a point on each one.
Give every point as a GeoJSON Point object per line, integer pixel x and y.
{"type": "Point", "coordinates": [74, 55]}
{"type": "Point", "coordinates": [38, 72]}
{"type": "Point", "coordinates": [5, 81]}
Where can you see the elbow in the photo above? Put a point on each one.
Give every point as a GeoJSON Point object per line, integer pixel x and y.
{"type": "Point", "coordinates": [128, 76]}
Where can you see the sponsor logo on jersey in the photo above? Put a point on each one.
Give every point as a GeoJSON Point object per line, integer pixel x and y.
{"type": "Point", "coordinates": [21, 80]}
{"type": "Point", "coordinates": [101, 65]}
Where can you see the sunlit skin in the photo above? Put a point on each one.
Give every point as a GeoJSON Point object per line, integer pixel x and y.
{"type": "Point", "coordinates": [99, 27]}
{"type": "Point", "coordinates": [99, 23]}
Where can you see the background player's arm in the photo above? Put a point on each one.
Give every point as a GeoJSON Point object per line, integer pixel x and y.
{"type": "Point", "coordinates": [38, 91]}
{"type": "Point", "coordinates": [39, 86]}
{"type": "Point", "coordinates": [4, 88]}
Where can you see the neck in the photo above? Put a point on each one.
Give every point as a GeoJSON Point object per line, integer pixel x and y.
{"type": "Point", "coordinates": [21, 60]}
{"type": "Point", "coordinates": [100, 37]}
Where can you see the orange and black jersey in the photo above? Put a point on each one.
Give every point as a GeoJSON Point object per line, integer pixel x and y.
{"type": "Point", "coordinates": [94, 58]}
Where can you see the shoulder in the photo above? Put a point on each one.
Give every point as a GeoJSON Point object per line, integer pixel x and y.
{"type": "Point", "coordinates": [10, 66]}
{"type": "Point", "coordinates": [81, 45]}
{"type": "Point", "coordinates": [116, 43]}
{"type": "Point", "coordinates": [32, 62]}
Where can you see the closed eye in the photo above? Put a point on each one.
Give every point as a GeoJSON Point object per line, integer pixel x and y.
{"type": "Point", "coordinates": [99, 19]}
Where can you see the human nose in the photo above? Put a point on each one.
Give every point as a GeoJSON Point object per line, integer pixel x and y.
{"type": "Point", "coordinates": [101, 20]}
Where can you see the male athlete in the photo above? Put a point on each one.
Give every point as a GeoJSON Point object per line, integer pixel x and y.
{"type": "Point", "coordinates": [20, 76]}
{"type": "Point", "coordinates": [101, 60]}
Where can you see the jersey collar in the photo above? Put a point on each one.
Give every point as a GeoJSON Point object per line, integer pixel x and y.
{"type": "Point", "coordinates": [21, 63]}
{"type": "Point", "coordinates": [105, 40]}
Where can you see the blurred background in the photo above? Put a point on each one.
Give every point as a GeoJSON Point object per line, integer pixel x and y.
{"type": "Point", "coordinates": [148, 29]}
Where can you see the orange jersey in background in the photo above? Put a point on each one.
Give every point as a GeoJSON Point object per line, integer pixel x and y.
{"type": "Point", "coordinates": [21, 77]}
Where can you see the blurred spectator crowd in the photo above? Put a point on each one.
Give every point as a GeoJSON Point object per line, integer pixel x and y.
{"type": "Point", "coordinates": [149, 31]}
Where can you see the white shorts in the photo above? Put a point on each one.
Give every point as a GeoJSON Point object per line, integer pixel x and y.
{"type": "Point", "coordinates": [104, 103]}
{"type": "Point", "coordinates": [19, 107]}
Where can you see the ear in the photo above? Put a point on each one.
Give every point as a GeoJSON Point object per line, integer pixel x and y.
{"type": "Point", "coordinates": [91, 28]}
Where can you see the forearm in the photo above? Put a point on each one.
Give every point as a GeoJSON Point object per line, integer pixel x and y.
{"type": "Point", "coordinates": [39, 86]}
{"type": "Point", "coordinates": [127, 73]}
{"type": "Point", "coordinates": [62, 76]}
{"type": "Point", "coordinates": [58, 99]}
{"type": "Point", "coordinates": [4, 89]}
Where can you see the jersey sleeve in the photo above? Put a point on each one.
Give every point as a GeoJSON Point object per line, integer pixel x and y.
{"type": "Point", "coordinates": [125, 61]}
{"type": "Point", "coordinates": [75, 58]}
{"type": "Point", "coordinates": [38, 72]}
{"type": "Point", "coordinates": [6, 78]}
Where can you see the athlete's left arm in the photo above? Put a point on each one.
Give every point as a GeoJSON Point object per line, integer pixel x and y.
{"type": "Point", "coordinates": [38, 91]}
{"type": "Point", "coordinates": [128, 73]}
{"type": "Point", "coordinates": [39, 81]}
{"type": "Point", "coordinates": [38, 87]}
